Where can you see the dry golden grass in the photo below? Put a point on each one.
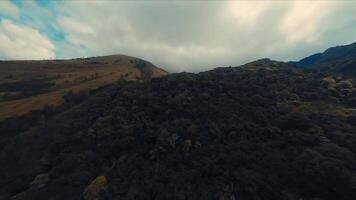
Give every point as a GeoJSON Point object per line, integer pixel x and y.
{"type": "Point", "coordinates": [22, 106]}
{"type": "Point", "coordinates": [67, 75]}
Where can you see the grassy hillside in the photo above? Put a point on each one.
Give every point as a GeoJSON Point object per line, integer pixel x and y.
{"type": "Point", "coordinates": [262, 131]}
{"type": "Point", "coordinates": [32, 85]}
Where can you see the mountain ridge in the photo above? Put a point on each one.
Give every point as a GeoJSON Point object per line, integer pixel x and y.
{"type": "Point", "coordinates": [28, 85]}
{"type": "Point", "coordinates": [339, 59]}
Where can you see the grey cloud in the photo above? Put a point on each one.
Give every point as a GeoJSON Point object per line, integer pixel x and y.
{"type": "Point", "coordinates": [196, 36]}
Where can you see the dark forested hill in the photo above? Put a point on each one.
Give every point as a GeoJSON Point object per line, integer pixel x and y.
{"type": "Point", "coordinates": [262, 131]}
{"type": "Point", "coordinates": [340, 59]}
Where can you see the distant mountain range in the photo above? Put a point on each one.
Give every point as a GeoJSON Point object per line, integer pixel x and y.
{"type": "Point", "coordinates": [339, 59]}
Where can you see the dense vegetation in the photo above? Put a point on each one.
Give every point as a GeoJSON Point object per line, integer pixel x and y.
{"type": "Point", "coordinates": [261, 131]}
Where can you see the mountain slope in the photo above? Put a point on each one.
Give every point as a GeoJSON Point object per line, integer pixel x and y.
{"type": "Point", "coordinates": [340, 59]}
{"type": "Point", "coordinates": [261, 131]}
{"type": "Point", "coordinates": [31, 85]}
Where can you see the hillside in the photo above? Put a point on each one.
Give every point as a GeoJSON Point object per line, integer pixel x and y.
{"type": "Point", "coordinates": [31, 85]}
{"type": "Point", "coordinates": [260, 131]}
{"type": "Point", "coordinates": [340, 59]}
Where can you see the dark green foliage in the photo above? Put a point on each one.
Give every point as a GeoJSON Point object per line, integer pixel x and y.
{"type": "Point", "coordinates": [27, 88]}
{"type": "Point", "coordinates": [232, 133]}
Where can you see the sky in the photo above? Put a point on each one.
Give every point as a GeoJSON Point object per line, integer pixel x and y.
{"type": "Point", "coordinates": [178, 36]}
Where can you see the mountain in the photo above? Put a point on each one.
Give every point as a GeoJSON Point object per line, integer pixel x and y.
{"type": "Point", "coordinates": [31, 85]}
{"type": "Point", "coordinates": [340, 59]}
{"type": "Point", "coordinates": [264, 130]}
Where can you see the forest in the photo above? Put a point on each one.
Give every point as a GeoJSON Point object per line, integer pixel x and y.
{"type": "Point", "coordinates": [264, 130]}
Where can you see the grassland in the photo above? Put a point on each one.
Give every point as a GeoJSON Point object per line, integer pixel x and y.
{"type": "Point", "coordinates": [63, 76]}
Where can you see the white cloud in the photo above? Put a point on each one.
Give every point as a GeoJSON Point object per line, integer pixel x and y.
{"type": "Point", "coordinates": [72, 25]}
{"type": "Point", "coordinates": [195, 36]}
{"type": "Point", "coordinates": [192, 35]}
{"type": "Point", "coordinates": [77, 32]}
{"type": "Point", "coordinates": [7, 8]}
{"type": "Point", "coordinates": [302, 22]}
{"type": "Point", "coordinates": [21, 42]}
{"type": "Point", "coordinates": [247, 12]}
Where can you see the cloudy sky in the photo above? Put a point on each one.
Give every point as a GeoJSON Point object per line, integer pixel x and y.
{"type": "Point", "coordinates": [176, 35]}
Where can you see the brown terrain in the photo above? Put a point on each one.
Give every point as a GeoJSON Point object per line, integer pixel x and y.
{"type": "Point", "coordinates": [31, 85]}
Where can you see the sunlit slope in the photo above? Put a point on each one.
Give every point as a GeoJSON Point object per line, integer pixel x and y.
{"type": "Point", "coordinates": [32, 85]}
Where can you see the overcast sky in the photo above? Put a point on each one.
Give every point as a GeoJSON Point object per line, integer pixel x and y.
{"type": "Point", "coordinates": [175, 35]}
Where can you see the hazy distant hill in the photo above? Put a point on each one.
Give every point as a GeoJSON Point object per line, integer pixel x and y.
{"type": "Point", "coordinates": [340, 59]}
{"type": "Point", "coordinates": [261, 131]}
{"type": "Point", "coordinates": [31, 85]}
